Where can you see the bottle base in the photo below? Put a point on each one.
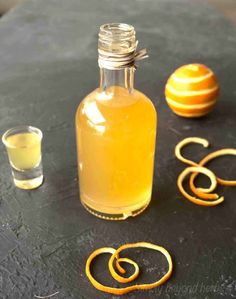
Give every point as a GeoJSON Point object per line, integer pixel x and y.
{"type": "Point", "coordinates": [117, 216]}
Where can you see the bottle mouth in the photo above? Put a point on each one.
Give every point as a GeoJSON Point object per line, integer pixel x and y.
{"type": "Point", "coordinates": [118, 31]}
{"type": "Point", "coordinates": [117, 47]}
{"type": "Point", "coordinates": [117, 38]}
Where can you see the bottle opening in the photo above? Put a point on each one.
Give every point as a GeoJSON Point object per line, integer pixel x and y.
{"type": "Point", "coordinates": [117, 38]}
{"type": "Point", "coordinates": [117, 47]}
{"type": "Point", "coordinates": [117, 30]}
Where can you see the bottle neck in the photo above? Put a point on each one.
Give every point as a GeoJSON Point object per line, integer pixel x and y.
{"type": "Point", "coordinates": [122, 78]}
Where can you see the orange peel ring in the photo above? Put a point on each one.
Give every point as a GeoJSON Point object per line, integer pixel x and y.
{"type": "Point", "coordinates": [211, 156]}
{"type": "Point", "coordinates": [186, 141]}
{"type": "Point", "coordinates": [201, 192]}
{"type": "Point", "coordinates": [193, 199]}
{"type": "Point", "coordinates": [115, 255]}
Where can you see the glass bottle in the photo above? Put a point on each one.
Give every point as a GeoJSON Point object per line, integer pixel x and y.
{"type": "Point", "coordinates": [115, 133]}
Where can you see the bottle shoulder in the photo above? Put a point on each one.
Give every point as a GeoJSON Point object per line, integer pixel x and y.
{"type": "Point", "coordinates": [119, 109]}
{"type": "Point", "coordinates": [120, 99]}
{"type": "Point", "coordinates": [146, 99]}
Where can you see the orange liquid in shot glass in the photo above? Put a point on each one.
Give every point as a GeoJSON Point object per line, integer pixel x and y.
{"type": "Point", "coordinates": [24, 150]}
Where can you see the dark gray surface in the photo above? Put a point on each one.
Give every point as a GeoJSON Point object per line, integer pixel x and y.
{"type": "Point", "coordinates": [48, 54]}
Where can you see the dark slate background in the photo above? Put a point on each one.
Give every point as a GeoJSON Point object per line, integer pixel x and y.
{"type": "Point", "coordinates": [48, 63]}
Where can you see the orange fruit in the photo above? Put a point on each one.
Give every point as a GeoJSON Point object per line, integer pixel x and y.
{"type": "Point", "coordinates": [192, 90]}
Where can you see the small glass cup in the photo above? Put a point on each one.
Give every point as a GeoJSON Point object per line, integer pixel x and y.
{"type": "Point", "coordinates": [23, 146]}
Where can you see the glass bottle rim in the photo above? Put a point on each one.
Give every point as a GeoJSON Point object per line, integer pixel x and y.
{"type": "Point", "coordinates": [116, 38]}
{"type": "Point", "coordinates": [116, 31]}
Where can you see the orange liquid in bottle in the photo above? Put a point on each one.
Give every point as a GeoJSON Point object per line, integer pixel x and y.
{"type": "Point", "coordinates": [116, 144]}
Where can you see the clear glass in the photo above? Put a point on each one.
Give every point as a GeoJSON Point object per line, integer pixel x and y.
{"type": "Point", "coordinates": [115, 130]}
{"type": "Point", "coordinates": [117, 38]}
{"type": "Point", "coordinates": [23, 146]}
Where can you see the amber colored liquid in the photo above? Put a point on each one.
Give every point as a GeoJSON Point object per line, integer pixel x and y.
{"type": "Point", "coordinates": [24, 150]}
{"type": "Point", "coordinates": [116, 143]}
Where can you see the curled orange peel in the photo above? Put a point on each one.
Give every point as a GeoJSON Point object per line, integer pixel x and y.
{"type": "Point", "coordinates": [186, 141]}
{"type": "Point", "coordinates": [201, 192]}
{"type": "Point", "coordinates": [115, 255]}
{"type": "Point", "coordinates": [193, 199]}
{"type": "Point", "coordinates": [198, 191]}
{"type": "Point", "coordinates": [211, 156]}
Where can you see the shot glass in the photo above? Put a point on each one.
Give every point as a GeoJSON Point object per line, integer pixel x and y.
{"type": "Point", "coordinates": [23, 146]}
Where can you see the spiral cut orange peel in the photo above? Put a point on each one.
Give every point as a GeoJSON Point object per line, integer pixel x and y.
{"type": "Point", "coordinates": [186, 141]}
{"type": "Point", "coordinates": [115, 256]}
{"type": "Point", "coordinates": [197, 168]}
{"type": "Point", "coordinates": [211, 156]}
{"type": "Point", "coordinates": [193, 199]}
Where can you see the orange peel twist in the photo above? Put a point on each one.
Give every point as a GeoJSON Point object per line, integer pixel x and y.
{"type": "Point", "coordinates": [115, 255]}
{"type": "Point", "coordinates": [211, 156]}
{"type": "Point", "coordinates": [201, 192]}
{"type": "Point", "coordinates": [193, 199]}
{"type": "Point", "coordinates": [186, 141]}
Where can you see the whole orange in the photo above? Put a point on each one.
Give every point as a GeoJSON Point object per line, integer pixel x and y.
{"type": "Point", "coordinates": [192, 90]}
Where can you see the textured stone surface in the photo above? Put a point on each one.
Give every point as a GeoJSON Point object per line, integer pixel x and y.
{"type": "Point", "coordinates": [48, 64]}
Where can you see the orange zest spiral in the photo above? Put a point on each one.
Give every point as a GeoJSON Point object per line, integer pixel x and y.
{"type": "Point", "coordinates": [115, 256]}
{"type": "Point", "coordinates": [186, 141]}
{"type": "Point", "coordinates": [193, 199]}
{"type": "Point", "coordinates": [211, 156]}
{"type": "Point", "coordinates": [178, 154]}
{"type": "Point", "coordinates": [203, 193]}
